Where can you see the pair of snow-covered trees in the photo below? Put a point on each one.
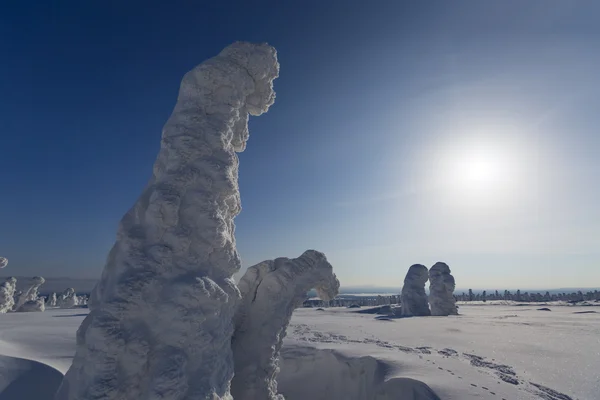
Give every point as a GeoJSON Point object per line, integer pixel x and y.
{"type": "Point", "coordinates": [167, 320]}
{"type": "Point", "coordinates": [414, 300]}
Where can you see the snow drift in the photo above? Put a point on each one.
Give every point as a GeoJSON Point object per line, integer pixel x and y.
{"type": "Point", "coordinates": [271, 290]}
{"type": "Point", "coordinates": [7, 295]}
{"type": "Point", "coordinates": [324, 374]}
{"type": "Point", "coordinates": [23, 379]}
{"type": "Point", "coordinates": [161, 317]}
{"type": "Point", "coordinates": [441, 289]}
{"type": "Point", "coordinates": [414, 298]}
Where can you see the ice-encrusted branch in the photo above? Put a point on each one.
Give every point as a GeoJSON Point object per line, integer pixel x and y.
{"type": "Point", "coordinates": [271, 290]}
{"type": "Point", "coordinates": [161, 317]}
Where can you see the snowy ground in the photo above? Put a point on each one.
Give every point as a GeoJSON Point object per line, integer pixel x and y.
{"type": "Point", "coordinates": [487, 352]}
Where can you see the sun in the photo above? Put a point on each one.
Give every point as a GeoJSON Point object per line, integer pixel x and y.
{"type": "Point", "coordinates": [480, 169]}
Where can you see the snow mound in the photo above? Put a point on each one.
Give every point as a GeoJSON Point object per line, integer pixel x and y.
{"type": "Point", "coordinates": [7, 295]}
{"type": "Point", "coordinates": [22, 379]}
{"type": "Point", "coordinates": [310, 373]}
{"type": "Point", "coordinates": [161, 316]}
{"type": "Point", "coordinates": [441, 289]}
{"type": "Point", "coordinates": [271, 290]}
{"type": "Point", "coordinates": [414, 298]}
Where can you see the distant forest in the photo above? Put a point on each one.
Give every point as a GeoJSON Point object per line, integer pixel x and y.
{"type": "Point", "coordinates": [526, 296]}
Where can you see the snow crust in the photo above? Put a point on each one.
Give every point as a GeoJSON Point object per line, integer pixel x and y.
{"type": "Point", "coordinates": [7, 295]}
{"type": "Point", "coordinates": [30, 295]}
{"type": "Point", "coordinates": [271, 290]}
{"type": "Point", "coordinates": [441, 289]}
{"type": "Point", "coordinates": [161, 317]}
{"type": "Point", "coordinates": [414, 298]}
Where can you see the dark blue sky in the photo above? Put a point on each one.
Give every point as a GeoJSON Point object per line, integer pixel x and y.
{"type": "Point", "coordinates": [85, 88]}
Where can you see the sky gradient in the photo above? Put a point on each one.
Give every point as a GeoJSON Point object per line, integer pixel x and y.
{"type": "Point", "coordinates": [402, 133]}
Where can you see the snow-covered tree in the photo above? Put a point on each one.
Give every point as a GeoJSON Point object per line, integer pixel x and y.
{"type": "Point", "coordinates": [30, 294]}
{"type": "Point", "coordinates": [414, 299]}
{"type": "Point", "coordinates": [51, 302]}
{"type": "Point", "coordinates": [161, 317]}
{"type": "Point", "coordinates": [7, 294]}
{"type": "Point", "coordinates": [441, 289]}
{"type": "Point", "coordinates": [271, 290]}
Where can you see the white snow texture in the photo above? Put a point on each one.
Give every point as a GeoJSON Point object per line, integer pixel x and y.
{"type": "Point", "coordinates": [161, 317]}
{"type": "Point", "coordinates": [271, 290]}
{"type": "Point", "coordinates": [30, 296]}
{"type": "Point", "coordinates": [7, 295]}
{"type": "Point", "coordinates": [441, 289]}
{"type": "Point", "coordinates": [3, 262]}
{"type": "Point", "coordinates": [414, 298]}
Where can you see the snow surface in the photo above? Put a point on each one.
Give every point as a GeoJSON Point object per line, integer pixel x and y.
{"type": "Point", "coordinates": [271, 290]}
{"type": "Point", "coordinates": [414, 298]}
{"type": "Point", "coordinates": [161, 317]}
{"type": "Point", "coordinates": [441, 289]}
{"type": "Point", "coordinates": [551, 355]}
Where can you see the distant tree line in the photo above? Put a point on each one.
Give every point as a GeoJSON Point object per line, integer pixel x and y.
{"type": "Point", "coordinates": [528, 297]}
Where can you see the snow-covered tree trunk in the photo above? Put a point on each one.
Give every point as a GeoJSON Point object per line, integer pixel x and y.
{"type": "Point", "coordinates": [161, 317]}
{"type": "Point", "coordinates": [441, 289]}
{"type": "Point", "coordinates": [413, 297]}
{"type": "Point", "coordinates": [270, 292]}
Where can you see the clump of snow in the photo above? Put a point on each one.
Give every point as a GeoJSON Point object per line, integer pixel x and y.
{"type": "Point", "coordinates": [414, 298]}
{"type": "Point", "coordinates": [68, 299]}
{"type": "Point", "coordinates": [51, 300]}
{"type": "Point", "coordinates": [7, 295]}
{"type": "Point", "coordinates": [161, 317]}
{"type": "Point", "coordinates": [3, 262]}
{"type": "Point", "coordinates": [441, 289]}
{"type": "Point", "coordinates": [271, 290]}
{"type": "Point", "coordinates": [31, 294]}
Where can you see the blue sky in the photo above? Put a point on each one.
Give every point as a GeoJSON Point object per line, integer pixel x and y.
{"type": "Point", "coordinates": [402, 133]}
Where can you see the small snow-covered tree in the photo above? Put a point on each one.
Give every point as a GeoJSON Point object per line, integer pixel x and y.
{"type": "Point", "coordinates": [471, 297]}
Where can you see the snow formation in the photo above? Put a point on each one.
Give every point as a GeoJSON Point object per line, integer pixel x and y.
{"type": "Point", "coordinates": [414, 299]}
{"type": "Point", "coordinates": [7, 295]}
{"type": "Point", "coordinates": [31, 294]}
{"type": "Point", "coordinates": [38, 304]}
{"type": "Point", "coordinates": [441, 289]}
{"type": "Point", "coordinates": [68, 298]}
{"type": "Point", "coordinates": [161, 317]}
{"type": "Point", "coordinates": [271, 290]}
{"type": "Point", "coordinates": [3, 262]}
{"type": "Point", "coordinates": [52, 300]}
